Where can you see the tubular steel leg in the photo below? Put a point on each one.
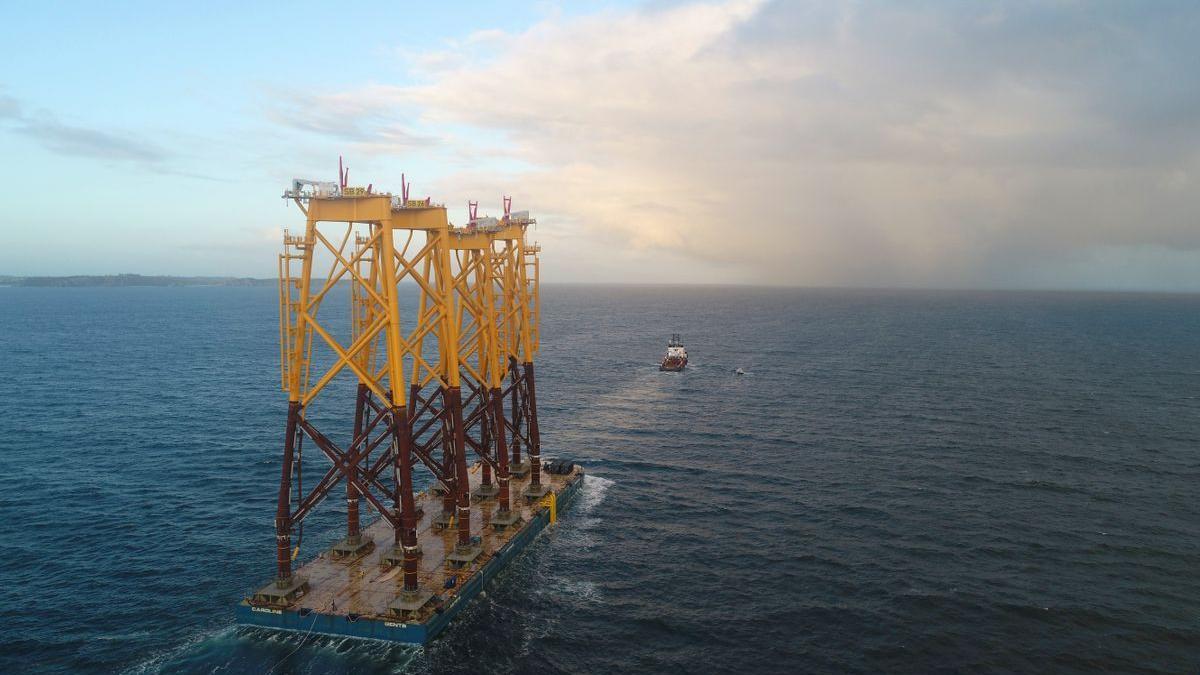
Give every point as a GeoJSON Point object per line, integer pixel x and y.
{"type": "Point", "coordinates": [414, 396]}
{"type": "Point", "coordinates": [516, 410]}
{"type": "Point", "coordinates": [535, 441]}
{"type": "Point", "coordinates": [462, 483]}
{"type": "Point", "coordinates": [283, 512]}
{"type": "Point", "coordinates": [407, 535]}
{"type": "Point", "coordinates": [485, 433]}
{"type": "Point", "coordinates": [497, 402]}
{"type": "Point", "coordinates": [449, 500]}
{"type": "Point", "coordinates": [352, 525]}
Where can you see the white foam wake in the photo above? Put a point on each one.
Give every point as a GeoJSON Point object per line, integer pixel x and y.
{"type": "Point", "coordinates": [155, 661]}
{"type": "Point", "coordinates": [594, 490]}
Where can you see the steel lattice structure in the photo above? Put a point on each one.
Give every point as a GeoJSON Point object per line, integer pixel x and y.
{"type": "Point", "coordinates": [436, 384]}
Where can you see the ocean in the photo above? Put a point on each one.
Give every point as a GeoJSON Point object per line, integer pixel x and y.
{"type": "Point", "coordinates": [902, 482]}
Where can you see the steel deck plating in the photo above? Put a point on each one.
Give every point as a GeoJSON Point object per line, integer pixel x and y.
{"type": "Point", "coordinates": [352, 597]}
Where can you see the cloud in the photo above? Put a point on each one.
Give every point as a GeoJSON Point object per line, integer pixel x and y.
{"type": "Point", "coordinates": [65, 139]}
{"type": "Point", "coordinates": [83, 142]}
{"type": "Point", "coordinates": [371, 118]}
{"type": "Point", "coordinates": [10, 108]}
{"type": "Point", "coordinates": [922, 143]}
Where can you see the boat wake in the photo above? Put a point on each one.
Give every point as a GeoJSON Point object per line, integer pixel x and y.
{"type": "Point", "coordinates": [239, 649]}
{"type": "Point", "coordinates": [594, 490]}
{"type": "Point", "coordinates": [156, 662]}
{"type": "Point", "coordinates": [576, 590]}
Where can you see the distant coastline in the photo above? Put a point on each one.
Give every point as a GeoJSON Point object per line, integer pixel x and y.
{"type": "Point", "coordinates": [131, 280]}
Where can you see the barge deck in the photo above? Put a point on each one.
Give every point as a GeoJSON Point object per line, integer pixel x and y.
{"type": "Point", "coordinates": [357, 595]}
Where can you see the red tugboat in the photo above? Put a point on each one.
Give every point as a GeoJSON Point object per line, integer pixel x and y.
{"type": "Point", "coordinates": [676, 358]}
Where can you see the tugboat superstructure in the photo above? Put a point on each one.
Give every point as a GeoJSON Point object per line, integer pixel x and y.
{"type": "Point", "coordinates": [677, 357]}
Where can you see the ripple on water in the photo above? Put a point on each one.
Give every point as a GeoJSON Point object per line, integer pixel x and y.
{"type": "Point", "coordinates": [904, 482]}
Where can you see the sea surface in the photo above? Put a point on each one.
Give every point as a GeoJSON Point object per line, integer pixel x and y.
{"type": "Point", "coordinates": [902, 482]}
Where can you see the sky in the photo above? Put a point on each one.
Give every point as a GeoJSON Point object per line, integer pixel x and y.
{"type": "Point", "coordinates": [923, 143]}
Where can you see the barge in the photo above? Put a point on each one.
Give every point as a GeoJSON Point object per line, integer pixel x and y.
{"type": "Point", "coordinates": [357, 597]}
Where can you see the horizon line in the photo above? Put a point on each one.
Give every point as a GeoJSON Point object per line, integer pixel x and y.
{"type": "Point", "coordinates": [811, 287]}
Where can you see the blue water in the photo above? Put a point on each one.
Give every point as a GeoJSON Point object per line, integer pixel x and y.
{"type": "Point", "coordinates": [902, 482]}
